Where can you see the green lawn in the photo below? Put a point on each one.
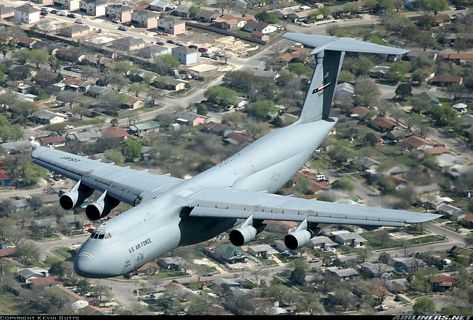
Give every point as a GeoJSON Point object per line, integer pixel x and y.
{"type": "Point", "coordinates": [376, 243]}
{"type": "Point", "coordinates": [425, 239]}
{"type": "Point", "coordinates": [164, 274]}
{"type": "Point", "coordinates": [63, 253]}
{"type": "Point", "coordinates": [347, 249]}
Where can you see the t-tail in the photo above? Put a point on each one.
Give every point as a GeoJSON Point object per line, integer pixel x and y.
{"type": "Point", "coordinates": [329, 53]}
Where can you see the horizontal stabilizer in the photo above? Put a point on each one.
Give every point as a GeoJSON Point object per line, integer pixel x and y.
{"type": "Point", "coordinates": [341, 44]}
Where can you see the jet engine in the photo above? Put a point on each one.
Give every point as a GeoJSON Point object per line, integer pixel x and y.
{"type": "Point", "coordinates": [299, 237]}
{"type": "Point", "coordinates": [75, 197]}
{"type": "Point", "coordinates": [246, 232]}
{"type": "Point", "coordinates": [101, 207]}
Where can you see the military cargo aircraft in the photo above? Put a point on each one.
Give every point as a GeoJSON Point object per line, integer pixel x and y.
{"type": "Point", "coordinates": [234, 195]}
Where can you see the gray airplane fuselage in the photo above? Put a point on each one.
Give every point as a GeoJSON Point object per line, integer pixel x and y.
{"type": "Point", "coordinates": [156, 226]}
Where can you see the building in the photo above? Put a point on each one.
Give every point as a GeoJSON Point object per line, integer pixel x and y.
{"type": "Point", "coordinates": [97, 91]}
{"type": "Point", "coordinates": [144, 128]}
{"type": "Point", "coordinates": [161, 5]}
{"type": "Point", "coordinates": [349, 238]}
{"type": "Point", "coordinates": [114, 134]}
{"type": "Point", "coordinates": [71, 5]}
{"type": "Point", "coordinates": [172, 25]}
{"type": "Point", "coordinates": [379, 270]}
{"type": "Point", "coordinates": [343, 91]}
{"type": "Point", "coordinates": [47, 117]}
{"type": "Point", "coordinates": [94, 8]}
{"type": "Point", "coordinates": [53, 141]}
{"type": "Point", "coordinates": [171, 263]}
{"type": "Point", "coordinates": [441, 282]}
{"type": "Point", "coordinates": [379, 72]}
{"type": "Point", "coordinates": [414, 142]}
{"type": "Point", "coordinates": [323, 243]}
{"type": "Point", "coordinates": [169, 84]}
{"type": "Point", "coordinates": [382, 124]}
{"type": "Point", "coordinates": [74, 31]}
{"type": "Point", "coordinates": [460, 107]}
{"type": "Point", "coordinates": [26, 14]}
{"type": "Point", "coordinates": [25, 275]}
{"type": "Point", "coordinates": [6, 12]}
{"type": "Point", "coordinates": [261, 251]}
{"type": "Point", "coordinates": [230, 254]}
{"type": "Point", "coordinates": [145, 19]}
{"type": "Point", "coordinates": [128, 44]}
{"type": "Point", "coordinates": [118, 12]}
{"type": "Point", "coordinates": [132, 103]}
{"type": "Point", "coordinates": [185, 55]}
{"type": "Point", "coordinates": [182, 11]}
{"type": "Point", "coordinates": [76, 84]}
{"type": "Point", "coordinates": [259, 36]}
{"type": "Point", "coordinates": [467, 220]}
{"type": "Point", "coordinates": [450, 211]}
{"type": "Point", "coordinates": [459, 58]}
{"type": "Point", "coordinates": [5, 179]}
{"type": "Point", "coordinates": [359, 112]}
{"type": "Point", "coordinates": [446, 80]}
{"type": "Point", "coordinates": [153, 51]}
{"type": "Point", "coordinates": [343, 274]}
{"type": "Point", "coordinates": [229, 22]}
{"type": "Point", "coordinates": [189, 118]}
{"type": "Point", "coordinates": [254, 26]}
{"type": "Point", "coordinates": [207, 15]}
{"type": "Point", "coordinates": [44, 282]}
{"type": "Point", "coordinates": [410, 264]}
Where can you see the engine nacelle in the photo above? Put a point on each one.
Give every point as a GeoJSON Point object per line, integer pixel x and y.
{"type": "Point", "coordinates": [69, 199]}
{"type": "Point", "coordinates": [297, 239]}
{"type": "Point", "coordinates": [242, 235]}
{"type": "Point", "coordinates": [101, 207]}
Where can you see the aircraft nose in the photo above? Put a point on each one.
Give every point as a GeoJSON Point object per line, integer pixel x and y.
{"type": "Point", "coordinates": [84, 265]}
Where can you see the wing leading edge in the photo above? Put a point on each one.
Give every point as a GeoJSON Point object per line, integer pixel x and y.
{"type": "Point", "coordinates": [234, 203]}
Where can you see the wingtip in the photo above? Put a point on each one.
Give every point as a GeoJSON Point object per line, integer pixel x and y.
{"type": "Point", "coordinates": [423, 217]}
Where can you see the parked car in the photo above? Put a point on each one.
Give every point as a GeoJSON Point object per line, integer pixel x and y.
{"type": "Point", "coordinates": [62, 13]}
{"type": "Point", "coordinates": [170, 41]}
{"type": "Point", "coordinates": [53, 11]}
{"type": "Point", "coordinates": [192, 46]}
{"type": "Point", "coordinates": [203, 50]}
{"type": "Point", "coordinates": [205, 55]}
{"type": "Point", "coordinates": [71, 15]}
{"type": "Point", "coordinates": [80, 21]}
{"type": "Point", "coordinates": [123, 28]}
{"type": "Point", "coordinates": [73, 69]}
{"type": "Point", "coordinates": [160, 43]}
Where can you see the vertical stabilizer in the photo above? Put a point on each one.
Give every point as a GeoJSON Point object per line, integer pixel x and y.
{"type": "Point", "coordinates": [329, 53]}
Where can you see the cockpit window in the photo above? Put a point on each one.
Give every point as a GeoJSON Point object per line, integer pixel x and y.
{"type": "Point", "coordinates": [96, 236]}
{"type": "Point", "coordinates": [101, 236]}
{"type": "Point", "coordinates": [108, 235]}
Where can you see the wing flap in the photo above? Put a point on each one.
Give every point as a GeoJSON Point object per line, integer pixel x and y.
{"type": "Point", "coordinates": [234, 203]}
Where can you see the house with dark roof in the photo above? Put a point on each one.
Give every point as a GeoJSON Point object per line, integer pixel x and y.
{"type": "Point", "coordinates": [6, 12]}
{"type": "Point", "coordinates": [161, 5]}
{"type": "Point", "coordinates": [409, 264]}
{"type": "Point", "coordinates": [145, 19]}
{"type": "Point", "coordinates": [47, 117]}
{"type": "Point", "coordinates": [172, 25]}
{"type": "Point", "coordinates": [228, 253]}
{"type": "Point", "coordinates": [171, 263]}
{"type": "Point", "coordinates": [189, 118]}
{"type": "Point", "coordinates": [263, 27]}
{"type": "Point", "coordinates": [182, 11]}
{"type": "Point", "coordinates": [445, 80]}
{"type": "Point", "coordinates": [207, 15]}
{"type": "Point", "coordinates": [128, 44]}
{"type": "Point", "coordinates": [118, 12]}
{"type": "Point", "coordinates": [380, 270]}
{"type": "Point", "coordinates": [382, 124]}
{"type": "Point", "coordinates": [94, 8]}
{"type": "Point", "coordinates": [54, 141]}
{"type": "Point", "coordinates": [414, 142]}
{"type": "Point", "coordinates": [442, 282]}
{"type": "Point", "coordinates": [74, 31]}
{"type": "Point", "coordinates": [343, 274]}
{"type": "Point", "coordinates": [97, 91]}
{"type": "Point", "coordinates": [185, 55]}
{"type": "Point", "coordinates": [26, 14]}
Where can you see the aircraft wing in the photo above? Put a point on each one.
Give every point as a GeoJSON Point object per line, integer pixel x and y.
{"type": "Point", "coordinates": [235, 203]}
{"type": "Point", "coordinates": [122, 183]}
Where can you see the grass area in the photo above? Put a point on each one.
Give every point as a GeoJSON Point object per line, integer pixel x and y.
{"type": "Point", "coordinates": [425, 239]}
{"type": "Point", "coordinates": [63, 253]}
{"type": "Point", "coordinates": [375, 242]}
{"type": "Point", "coordinates": [164, 274]}
{"type": "Point", "coordinates": [80, 123]}
{"type": "Point", "coordinates": [7, 302]}
{"type": "Point", "coordinates": [347, 249]}
{"type": "Point", "coordinates": [50, 260]}
{"type": "Point", "coordinates": [453, 225]}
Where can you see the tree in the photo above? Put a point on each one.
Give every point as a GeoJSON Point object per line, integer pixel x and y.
{"type": "Point", "coordinates": [343, 184]}
{"type": "Point", "coordinates": [298, 274]}
{"type": "Point", "coordinates": [165, 63]}
{"type": "Point", "coordinates": [115, 156]}
{"type": "Point", "coordinates": [346, 76]}
{"type": "Point", "coordinates": [29, 174]}
{"type": "Point", "coordinates": [262, 109]}
{"type": "Point", "coordinates": [433, 5]}
{"type": "Point", "coordinates": [202, 109]}
{"type": "Point", "coordinates": [469, 240]}
{"type": "Point", "coordinates": [419, 76]}
{"type": "Point", "coordinates": [221, 96]}
{"type": "Point", "coordinates": [38, 57]}
{"type": "Point", "coordinates": [367, 92]}
{"type": "Point", "coordinates": [123, 67]}
{"type": "Point", "coordinates": [6, 209]}
{"type": "Point", "coordinates": [268, 17]}
{"type": "Point", "coordinates": [370, 139]}
{"type": "Point", "coordinates": [299, 69]}
{"type": "Point", "coordinates": [136, 88]}
{"type": "Point", "coordinates": [381, 236]}
{"type": "Point", "coordinates": [131, 149]}
{"type": "Point", "coordinates": [9, 132]}
{"type": "Point", "coordinates": [27, 252]}
{"type": "Point", "coordinates": [340, 154]}
{"type": "Point", "coordinates": [58, 269]}
{"type": "Point", "coordinates": [363, 254]}
{"type": "Point", "coordinates": [403, 90]}
{"type": "Point", "coordinates": [424, 306]}
{"type": "Point", "coordinates": [193, 11]}
{"type": "Point", "coordinates": [444, 115]}
{"type": "Point", "coordinates": [362, 66]}
{"type": "Point", "coordinates": [344, 298]}
{"type": "Point", "coordinates": [425, 39]}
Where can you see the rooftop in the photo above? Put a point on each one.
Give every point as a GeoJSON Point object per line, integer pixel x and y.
{"type": "Point", "coordinates": [27, 9]}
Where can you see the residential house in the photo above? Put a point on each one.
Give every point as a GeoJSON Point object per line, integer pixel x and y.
{"type": "Point", "coordinates": [219, 129]}
{"type": "Point", "coordinates": [20, 205]}
{"type": "Point", "coordinates": [261, 251]}
{"type": "Point", "coordinates": [207, 15]}
{"type": "Point", "coordinates": [182, 11]}
{"type": "Point", "coordinates": [189, 118]}
{"type": "Point", "coordinates": [114, 134]}
{"type": "Point", "coordinates": [323, 243]}
{"type": "Point", "coordinates": [293, 54]}
{"type": "Point", "coordinates": [16, 147]}
{"type": "Point", "coordinates": [460, 58]}
{"type": "Point", "coordinates": [171, 263]}
{"type": "Point", "coordinates": [445, 80]}
{"type": "Point", "coordinates": [442, 19]}
{"type": "Point", "coordinates": [237, 138]}
{"type": "Point", "coordinates": [161, 5]}
{"type": "Point", "coordinates": [44, 2]}
{"type": "Point", "coordinates": [409, 264]}
{"type": "Point", "coordinates": [144, 128]}
{"type": "Point", "coordinates": [118, 12]}
{"type": "Point", "coordinates": [82, 138]}
{"type": "Point", "coordinates": [69, 54]}
{"type": "Point", "coordinates": [433, 150]}
{"type": "Point", "coordinates": [382, 124]}
{"type": "Point", "coordinates": [300, 16]}
{"type": "Point", "coordinates": [97, 91]}
{"type": "Point", "coordinates": [96, 8]}
{"type": "Point", "coordinates": [379, 270]}
{"type": "Point", "coordinates": [254, 26]}
{"type": "Point", "coordinates": [47, 117]}
{"type": "Point", "coordinates": [229, 254]}
{"type": "Point", "coordinates": [132, 103]}
{"type": "Point", "coordinates": [365, 164]}
{"type": "Point", "coordinates": [128, 44]}
{"type": "Point", "coordinates": [359, 112]}
{"type": "Point", "coordinates": [460, 107]}
{"type": "Point", "coordinates": [343, 91]}
{"type": "Point", "coordinates": [53, 141]}
{"type": "Point", "coordinates": [185, 55]}
{"type": "Point", "coordinates": [280, 246]}
{"type": "Point", "coordinates": [26, 42]}
{"type": "Point", "coordinates": [260, 36]}
{"type": "Point", "coordinates": [442, 282]}
{"type": "Point", "coordinates": [414, 142]}
{"type": "Point", "coordinates": [153, 51]}
{"type": "Point", "coordinates": [26, 14]}
{"type": "Point", "coordinates": [343, 274]}
{"type": "Point", "coordinates": [71, 5]}
{"type": "Point", "coordinates": [430, 189]}
{"type": "Point", "coordinates": [74, 31]}
{"type": "Point", "coordinates": [6, 12]}
{"type": "Point", "coordinates": [450, 211]}
{"type": "Point", "coordinates": [229, 22]}
{"type": "Point", "coordinates": [5, 179]}
{"type": "Point", "coordinates": [76, 84]}
{"type": "Point", "coordinates": [434, 202]}
{"type": "Point", "coordinates": [467, 220]}
{"type": "Point", "coordinates": [43, 282]}
{"type": "Point", "coordinates": [25, 275]}
{"type": "Point", "coordinates": [349, 238]}
{"type": "Point", "coordinates": [148, 269]}
{"type": "Point", "coordinates": [379, 72]}
{"type": "Point", "coordinates": [7, 252]}
{"type": "Point", "coordinates": [172, 25]}
{"type": "Point", "coordinates": [145, 19]}
{"type": "Point", "coordinates": [429, 97]}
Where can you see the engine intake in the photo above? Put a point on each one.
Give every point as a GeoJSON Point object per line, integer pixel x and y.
{"type": "Point", "coordinates": [297, 239]}
{"type": "Point", "coordinates": [75, 197]}
{"type": "Point", "coordinates": [242, 235]}
{"type": "Point", "coordinates": [101, 207]}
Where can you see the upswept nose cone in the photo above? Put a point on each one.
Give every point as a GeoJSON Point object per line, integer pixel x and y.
{"type": "Point", "coordinates": [84, 265]}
